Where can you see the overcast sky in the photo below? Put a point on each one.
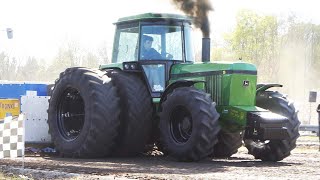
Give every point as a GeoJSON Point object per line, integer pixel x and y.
{"type": "Point", "coordinates": [40, 26]}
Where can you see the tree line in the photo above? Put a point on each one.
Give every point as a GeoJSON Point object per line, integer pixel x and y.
{"type": "Point", "coordinates": [37, 69]}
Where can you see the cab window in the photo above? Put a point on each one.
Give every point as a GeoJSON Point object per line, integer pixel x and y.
{"type": "Point", "coordinates": [166, 41]}
{"type": "Point", "coordinates": [126, 44]}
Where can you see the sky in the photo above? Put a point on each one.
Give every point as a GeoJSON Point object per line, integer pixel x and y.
{"type": "Point", "coordinates": [42, 26]}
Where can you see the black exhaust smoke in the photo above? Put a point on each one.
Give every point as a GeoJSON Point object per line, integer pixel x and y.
{"type": "Point", "coordinates": [199, 9]}
{"type": "Point", "coordinates": [205, 49]}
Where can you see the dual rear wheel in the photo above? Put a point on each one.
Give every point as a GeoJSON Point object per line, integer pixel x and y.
{"type": "Point", "coordinates": [95, 114]}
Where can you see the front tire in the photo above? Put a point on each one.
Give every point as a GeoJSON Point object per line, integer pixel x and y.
{"type": "Point", "coordinates": [83, 114]}
{"type": "Point", "coordinates": [188, 124]}
{"type": "Point", "coordinates": [275, 150]}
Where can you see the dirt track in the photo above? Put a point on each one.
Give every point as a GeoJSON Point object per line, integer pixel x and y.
{"type": "Point", "coordinates": [304, 163]}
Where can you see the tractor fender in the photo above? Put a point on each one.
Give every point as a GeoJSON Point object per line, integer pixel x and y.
{"type": "Point", "coordinates": [264, 87]}
{"type": "Point", "coordinates": [177, 84]}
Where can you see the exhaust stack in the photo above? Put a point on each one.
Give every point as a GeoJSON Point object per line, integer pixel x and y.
{"type": "Point", "coordinates": [205, 49]}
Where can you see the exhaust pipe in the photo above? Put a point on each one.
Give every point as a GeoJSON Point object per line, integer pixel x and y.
{"type": "Point", "coordinates": [206, 49]}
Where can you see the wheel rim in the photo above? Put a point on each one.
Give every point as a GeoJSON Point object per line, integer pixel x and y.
{"type": "Point", "coordinates": [180, 124]}
{"type": "Point", "coordinates": [70, 114]}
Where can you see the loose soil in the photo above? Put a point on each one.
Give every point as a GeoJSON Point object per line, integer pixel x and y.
{"type": "Point", "coordinates": [303, 163]}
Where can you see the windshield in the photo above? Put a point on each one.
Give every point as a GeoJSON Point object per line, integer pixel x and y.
{"type": "Point", "coordinates": [160, 42]}
{"type": "Point", "coordinates": [157, 42]}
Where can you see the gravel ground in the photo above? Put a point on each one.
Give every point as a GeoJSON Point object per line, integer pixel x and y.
{"type": "Point", "coordinates": [304, 164]}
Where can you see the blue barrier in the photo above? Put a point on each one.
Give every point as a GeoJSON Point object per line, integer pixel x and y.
{"type": "Point", "coordinates": [16, 90]}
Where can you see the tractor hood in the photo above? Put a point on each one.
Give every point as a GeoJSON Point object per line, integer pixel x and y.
{"type": "Point", "coordinates": [229, 84]}
{"type": "Point", "coordinates": [212, 68]}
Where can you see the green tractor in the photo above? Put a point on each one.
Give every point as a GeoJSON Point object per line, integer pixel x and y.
{"type": "Point", "coordinates": [190, 110]}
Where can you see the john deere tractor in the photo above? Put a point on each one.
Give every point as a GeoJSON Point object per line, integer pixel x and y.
{"type": "Point", "coordinates": [190, 110]}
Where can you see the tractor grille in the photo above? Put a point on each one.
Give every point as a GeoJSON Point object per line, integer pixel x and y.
{"type": "Point", "coordinates": [213, 87]}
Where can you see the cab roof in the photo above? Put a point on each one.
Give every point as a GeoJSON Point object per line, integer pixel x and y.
{"type": "Point", "coordinates": [154, 16]}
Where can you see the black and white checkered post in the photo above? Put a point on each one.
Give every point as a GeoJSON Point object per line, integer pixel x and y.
{"type": "Point", "coordinates": [12, 137]}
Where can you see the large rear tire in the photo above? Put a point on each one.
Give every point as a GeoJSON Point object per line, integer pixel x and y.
{"type": "Point", "coordinates": [136, 113]}
{"type": "Point", "coordinates": [83, 113]}
{"type": "Point", "coordinates": [188, 124]}
{"type": "Point", "coordinates": [275, 150]}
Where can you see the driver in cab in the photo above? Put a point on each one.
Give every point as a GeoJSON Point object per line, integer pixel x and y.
{"type": "Point", "coordinates": [147, 52]}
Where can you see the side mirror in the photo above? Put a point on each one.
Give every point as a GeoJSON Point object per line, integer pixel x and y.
{"type": "Point", "coordinates": [9, 33]}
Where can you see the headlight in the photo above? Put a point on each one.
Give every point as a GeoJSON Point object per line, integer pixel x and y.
{"type": "Point", "coordinates": [130, 66]}
{"type": "Point", "coordinates": [133, 66]}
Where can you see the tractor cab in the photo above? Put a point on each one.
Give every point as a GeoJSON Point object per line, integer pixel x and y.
{"type": "Point", "coordinates": [152, 43]}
